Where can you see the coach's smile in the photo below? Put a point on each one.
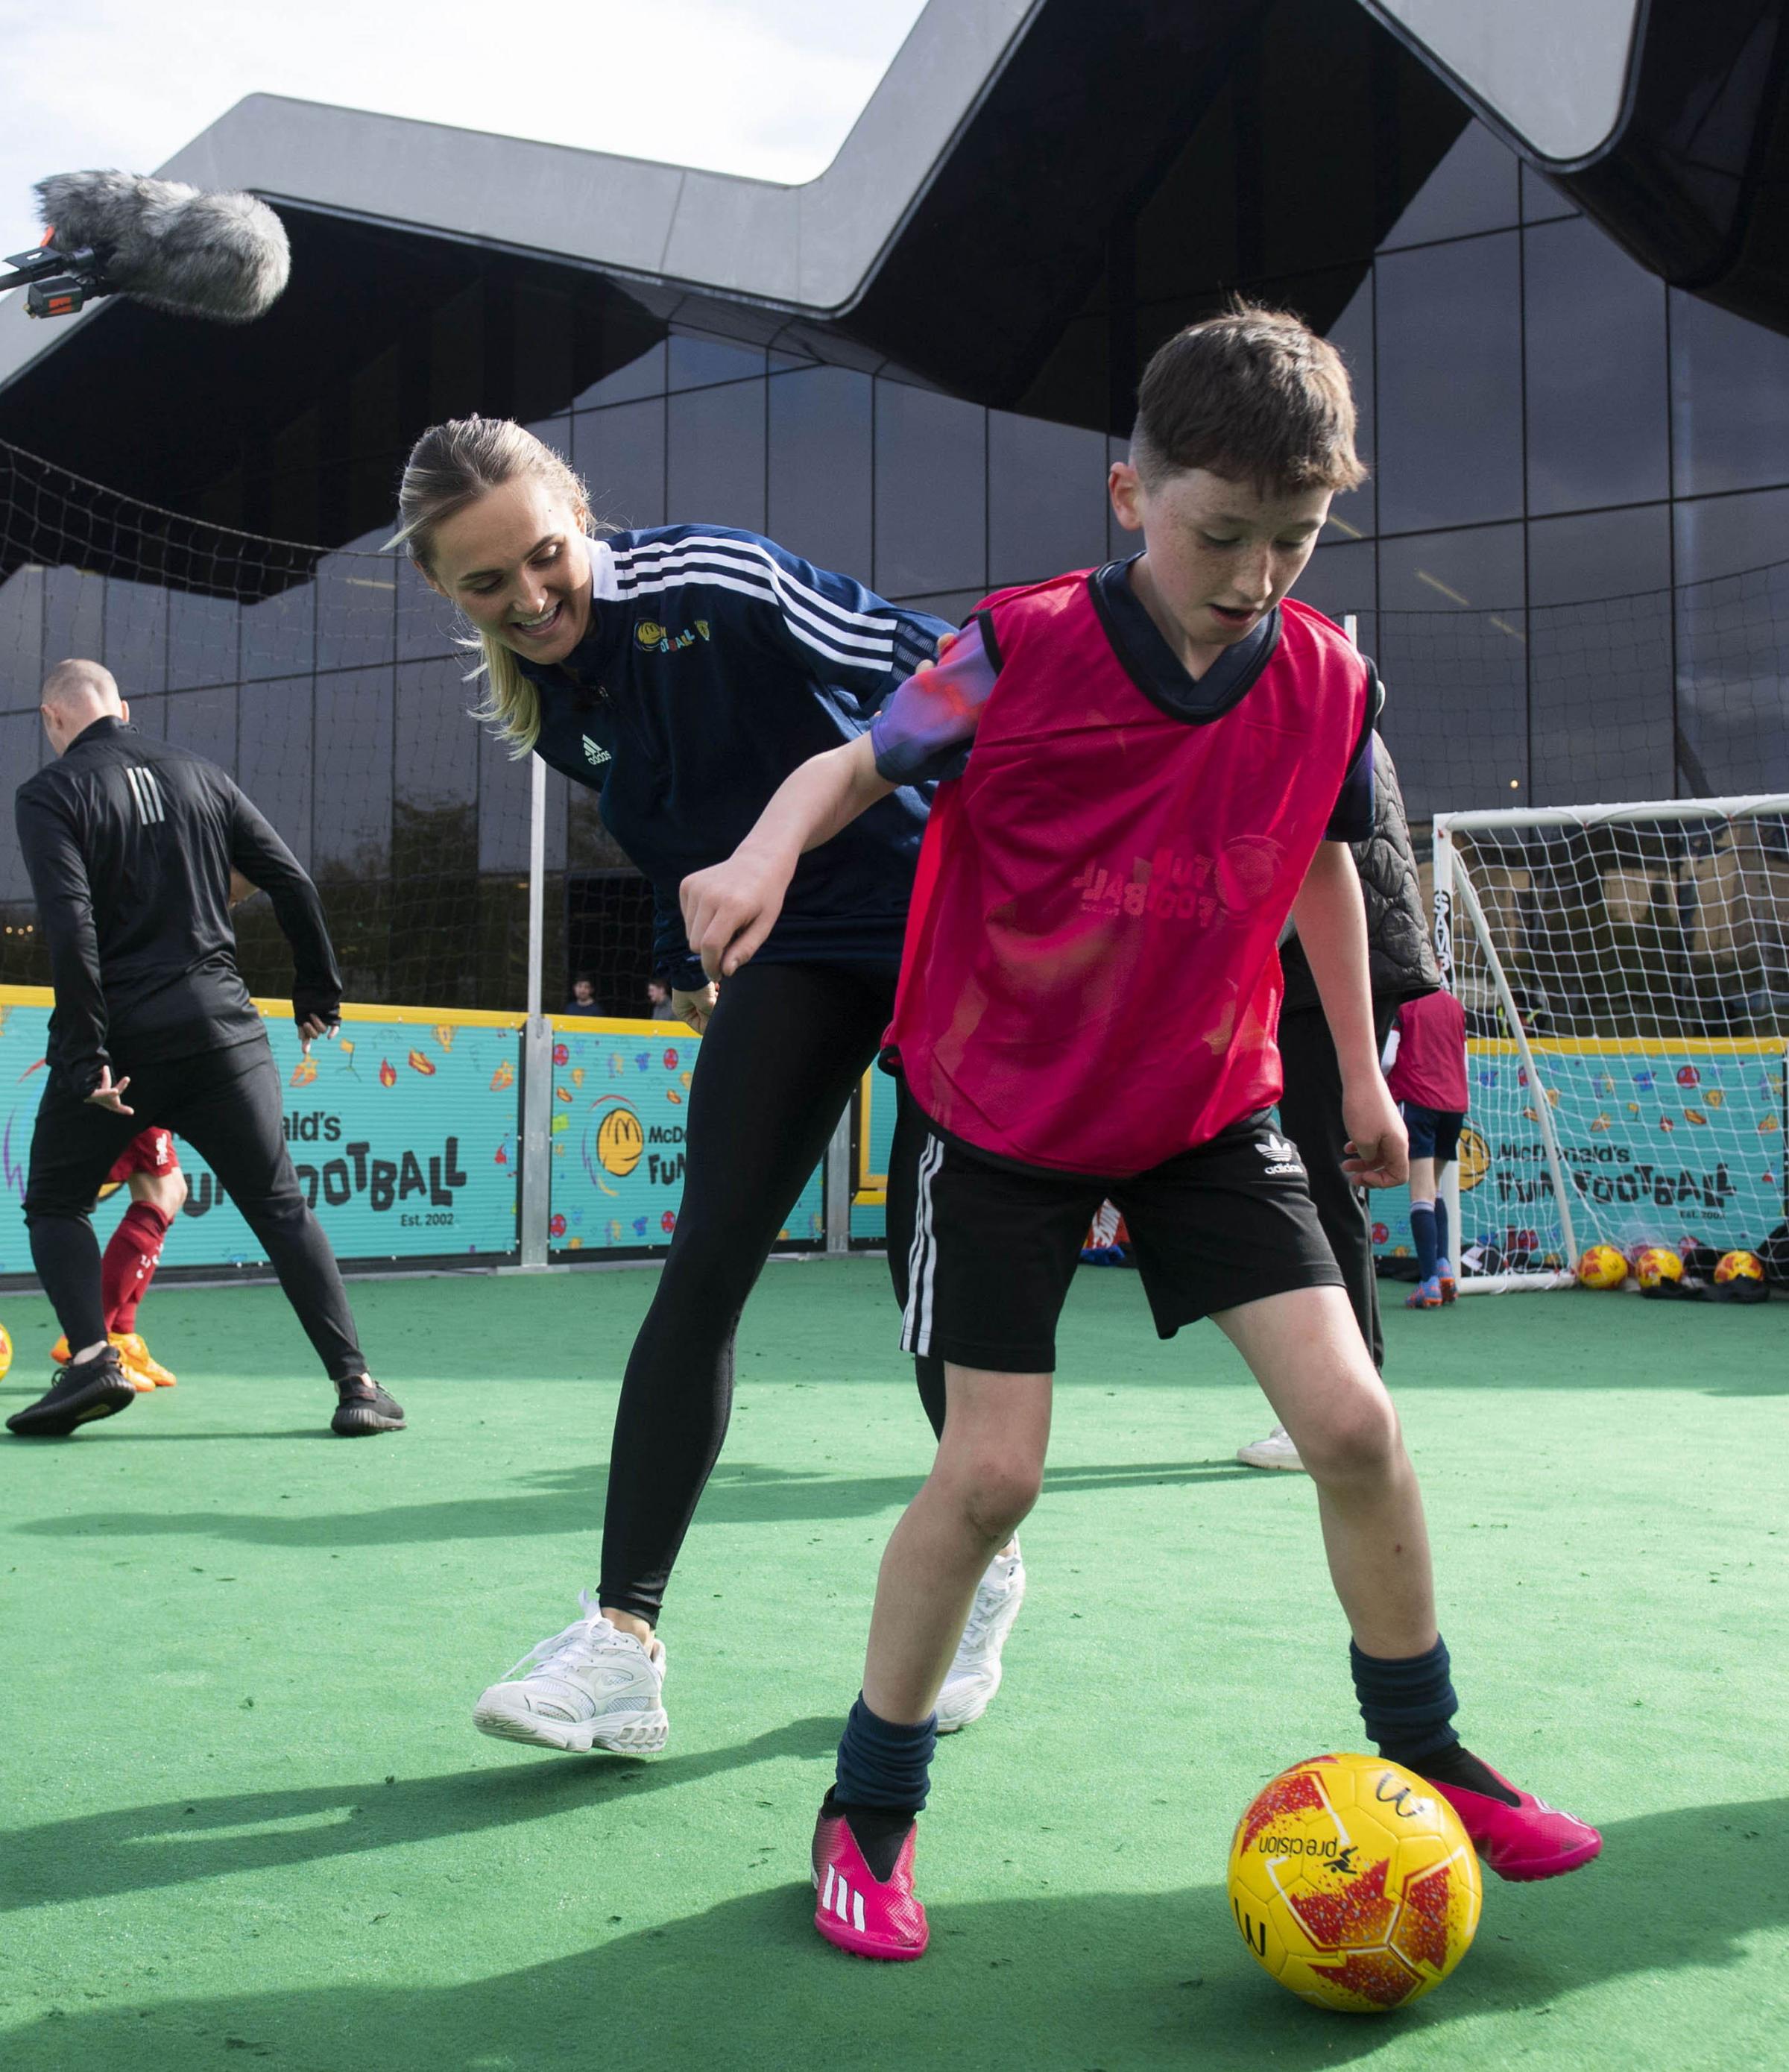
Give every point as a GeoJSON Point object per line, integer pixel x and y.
{"type": "Point", "coordinates": [517, 563]}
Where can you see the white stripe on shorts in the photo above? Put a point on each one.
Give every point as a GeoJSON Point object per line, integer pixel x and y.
{"type": "Point", "coordinates": [916, 1335]}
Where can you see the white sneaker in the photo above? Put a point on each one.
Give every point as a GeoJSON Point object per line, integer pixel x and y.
{"type": "Point", "coordinates": [591, 1686]}
{"type": "Point", "coordinates": [976, 1672]}
{"type": "Point", "coordinates": [1275, 1451]}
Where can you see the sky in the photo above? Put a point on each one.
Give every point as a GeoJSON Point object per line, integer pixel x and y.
{"type": "Point", "coordinates": [768, 88]}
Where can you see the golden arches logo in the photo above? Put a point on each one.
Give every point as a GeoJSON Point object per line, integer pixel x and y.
{"type": "Point", "coordinates": [1475, 1160]}
{"type": "Point", "coordinates": [620, 1141]}
{"type": "Point", "coordinates": [649, 633]}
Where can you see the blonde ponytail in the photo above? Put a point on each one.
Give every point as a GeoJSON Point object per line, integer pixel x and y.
{"type": "Point", "coordinates": [511, 706]}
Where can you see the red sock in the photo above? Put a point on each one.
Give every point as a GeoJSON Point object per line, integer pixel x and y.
{"type": "Point", "coordinates": [131, 1258]}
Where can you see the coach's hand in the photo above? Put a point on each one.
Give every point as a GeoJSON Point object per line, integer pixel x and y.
{"type": "Point", "coordinates": [694, 1008]}
{"type": "Point", "coordinates": [106, 1095]}
{"type": "Point", "coordinates": [729, 908]}
{"type": "Point", "coordinates": [1379, 1145]}
{"type": "Point", "coordinates": [316, 1014]}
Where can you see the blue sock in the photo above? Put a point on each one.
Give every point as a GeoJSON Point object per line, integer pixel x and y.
{"type": "Point", "coordinates": [1441, 1251]}
{"type": "Point", "coordinates": [1408, 1704]}
{"type": "Point", "coordinates": [882, 1763]}
{"type": "Point", "coordinates": [1422, 1229]}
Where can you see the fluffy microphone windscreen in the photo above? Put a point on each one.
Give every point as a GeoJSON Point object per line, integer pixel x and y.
{"type": "Point", "coordinates": [220, 256]}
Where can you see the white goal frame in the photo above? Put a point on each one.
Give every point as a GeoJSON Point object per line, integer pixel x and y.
{"type": "Point", "coordinates": [1454, 888]}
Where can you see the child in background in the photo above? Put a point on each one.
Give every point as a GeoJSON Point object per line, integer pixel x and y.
{"type": "Point", "coordinates": [149, 1166]}
{"type": "Point", "coordinates": [1428, 1080]}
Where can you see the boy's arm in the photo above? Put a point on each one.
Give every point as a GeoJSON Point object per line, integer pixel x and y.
{"type": "Point", "coordinates": [1332, 927]}
{"type": "Point", "coordinates": [731, 907]}
{"type": "Point", "coordinates": [921, 734]}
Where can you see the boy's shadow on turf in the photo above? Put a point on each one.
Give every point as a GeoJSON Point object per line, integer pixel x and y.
{"type": "Point", "coordinates": [571, 1499]}
{"type": "Point", "coordinates": [1083, 1979]}
{"type": "Point", "coordinates": [98, 1855]}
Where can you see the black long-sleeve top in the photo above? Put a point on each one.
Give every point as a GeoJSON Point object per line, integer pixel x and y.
{"type": "Point", "coordinates": [129, 843]}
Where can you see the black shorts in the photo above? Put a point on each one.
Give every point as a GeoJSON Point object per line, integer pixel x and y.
{"type": "Point", "coordinates": [1434, 1132]}
{"type": "Point", "coordinates": [996, 1243]}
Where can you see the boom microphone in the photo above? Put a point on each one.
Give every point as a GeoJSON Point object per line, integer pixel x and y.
{"type": "Point", "coordinates": [224, 257]}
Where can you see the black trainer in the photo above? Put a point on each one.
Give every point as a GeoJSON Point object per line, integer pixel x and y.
{"type": "Point", "coordinates": [82, 1391]}
{"type": "Point", "coordinates": [363, 1407]}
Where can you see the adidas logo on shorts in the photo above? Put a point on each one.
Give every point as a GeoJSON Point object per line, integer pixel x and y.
{"type": "Point", "coordinates": [1282, 1155]}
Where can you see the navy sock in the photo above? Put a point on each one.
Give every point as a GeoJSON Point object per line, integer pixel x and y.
{"type": "Point", "coordinates": [1422, 1229]}
{"type": "Point", "coordinates": [1408, 1704]}
{"type": "Point", "coordinates": [883, 1763]}
{"type": "Point", "coordinates": [1441, 1228]}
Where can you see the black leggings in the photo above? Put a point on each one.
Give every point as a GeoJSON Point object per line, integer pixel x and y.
{"type": "Point", "coordinates": [225, 1103]}
{"type": "Point", "coordinates": [777, 1063]}
{"type": "Point", "coordinates": [1310, 1114]}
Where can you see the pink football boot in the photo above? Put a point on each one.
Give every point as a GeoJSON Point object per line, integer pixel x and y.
{"type": "Point", "coordinates": [870, 1916]}
{"type": "Point", "coordinates": [1522, 1842]}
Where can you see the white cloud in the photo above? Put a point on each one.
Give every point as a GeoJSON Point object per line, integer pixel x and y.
{"type": "Point", "coordinates": [768, 88]}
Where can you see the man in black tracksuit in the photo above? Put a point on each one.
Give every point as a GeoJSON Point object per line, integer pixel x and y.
{"type": "Point", "coordinates": [130, 843]}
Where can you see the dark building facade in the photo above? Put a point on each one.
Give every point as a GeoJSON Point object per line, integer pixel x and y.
{"type": "Point", "coordinates": [1569, 557]}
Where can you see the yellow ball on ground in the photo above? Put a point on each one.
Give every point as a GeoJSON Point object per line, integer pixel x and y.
{"type": "Point", "coordinates": [1739, 1277]}
{"type": "Point", "coordinates": [1354, 1884]}
{"type": "Point", "coordinates": [1602, 1266]}
{"type": "Point", "coordinates": [5, 1353]}
{"type": "Point", "coordinates": [1659, 1270]}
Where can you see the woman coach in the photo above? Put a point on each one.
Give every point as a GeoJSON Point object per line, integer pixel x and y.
{"type": "Point", "coordinates": [682, 672]}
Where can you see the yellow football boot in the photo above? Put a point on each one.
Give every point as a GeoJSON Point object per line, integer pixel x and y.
{"type": "Point", "coordinates": [136, 1373]}
{"type": "Point", "coordinates": [138, 1362]}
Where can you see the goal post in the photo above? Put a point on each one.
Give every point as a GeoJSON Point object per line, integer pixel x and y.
{"type": "Point", "coordinates": [1625, 973]}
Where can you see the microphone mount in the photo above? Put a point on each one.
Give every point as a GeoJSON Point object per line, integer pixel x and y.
{"type": "Point", "coordinates": [56, 283]}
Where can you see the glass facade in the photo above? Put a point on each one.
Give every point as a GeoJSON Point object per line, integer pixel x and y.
{"type": "Point", "coordinates": [1577, 476]}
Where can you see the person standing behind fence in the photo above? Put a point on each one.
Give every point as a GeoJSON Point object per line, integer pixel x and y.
{"type": "Point", "coordinates": [1428, 1080]}
{"type": "Point", "coordinates": [130, 845]}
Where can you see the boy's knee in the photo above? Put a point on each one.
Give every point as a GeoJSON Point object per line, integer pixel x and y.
{"type": "Point", "coordinates": [1356, 1440]}
{"type": "Point", "coordinates": [997, 1491]}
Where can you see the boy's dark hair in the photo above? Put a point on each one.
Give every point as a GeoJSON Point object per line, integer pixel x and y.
{"type": "Point", "coordinates": [1255, 396]}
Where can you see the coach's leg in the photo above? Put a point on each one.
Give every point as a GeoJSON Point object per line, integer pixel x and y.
{"type": "Point", "coordinates": [229, 1109]}
{"type": "Point", "coordinates": [777, 1065]}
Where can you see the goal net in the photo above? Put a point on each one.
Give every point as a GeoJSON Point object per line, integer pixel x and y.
{"type": "Point", "coordinates": [329, 681]}
{"type": "Point", "coordinates": [1625, 974]}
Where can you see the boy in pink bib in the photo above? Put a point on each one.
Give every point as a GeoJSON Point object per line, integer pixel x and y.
{"type": "Point", "coordinates": [1150, 768]}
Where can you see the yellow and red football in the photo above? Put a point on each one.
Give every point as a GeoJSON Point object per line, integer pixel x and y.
{"type": "Point", "coordinates": [1354, 1884]}
{"type": "Point", "coordinates": [1658, 1270]}
{"type": "Point", "coordinates": [1602, 1266]}
{"type": "Point", "coordinates": [1739, 1277]}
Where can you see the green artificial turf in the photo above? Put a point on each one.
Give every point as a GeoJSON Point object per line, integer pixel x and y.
{"type": "Point", "coordinates": [245, 1814]}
